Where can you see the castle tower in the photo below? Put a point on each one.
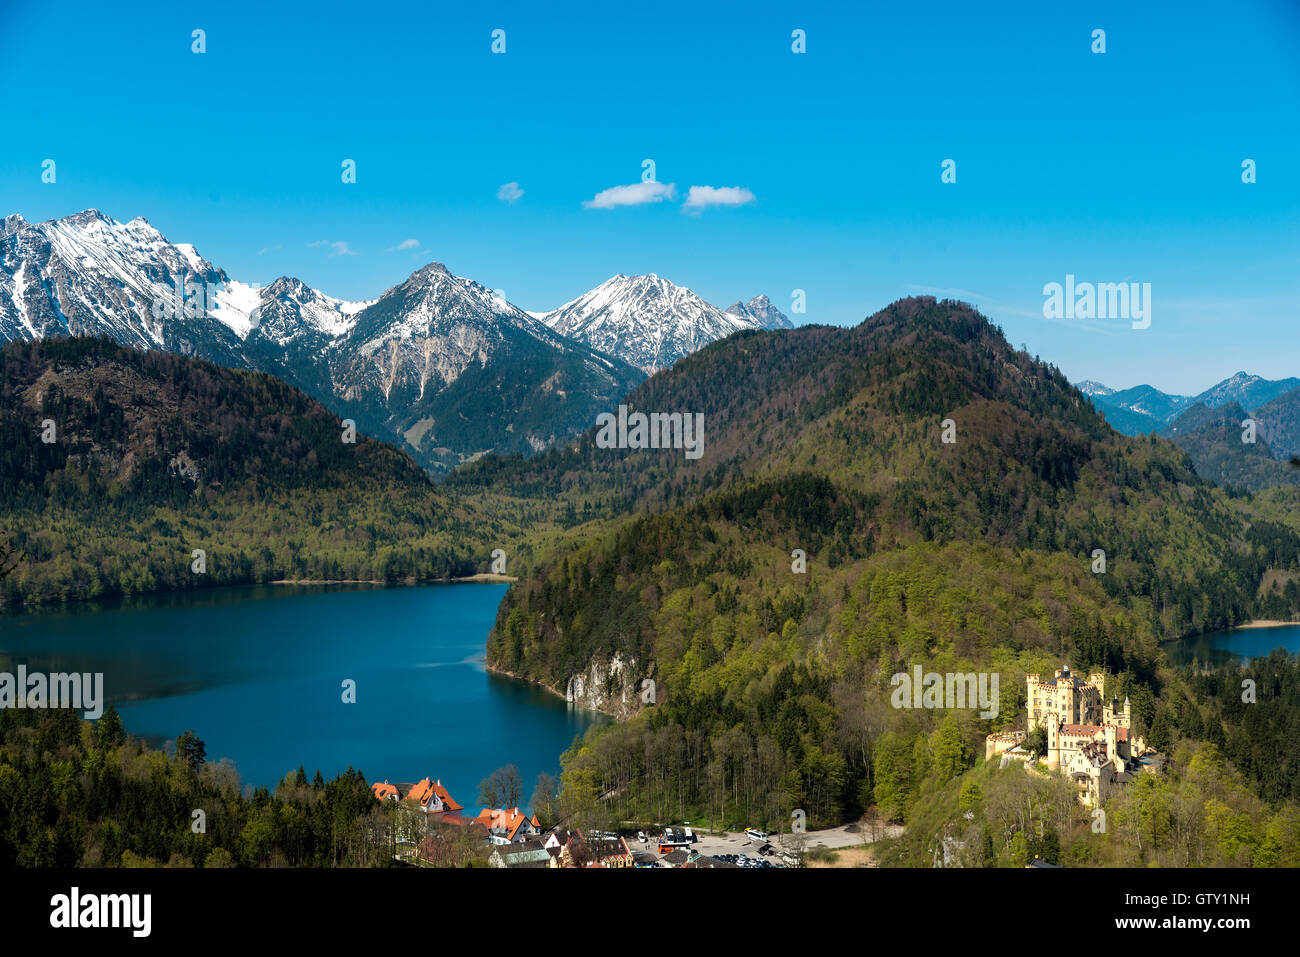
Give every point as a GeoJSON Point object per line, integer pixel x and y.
{"type": "Point", "coordinates": [1053, 740]}
{"type": "Point", "coordinates": [1032, 706]}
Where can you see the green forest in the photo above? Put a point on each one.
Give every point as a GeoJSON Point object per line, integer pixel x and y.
{"type": "Point", "coordinates": [153, 456]}
{"type": "Point", "coordinates": [773, 685]}
{"type": "Point", "coordinates": [831, 537]}
{"type": "Point", "coordinates": [83, 794]}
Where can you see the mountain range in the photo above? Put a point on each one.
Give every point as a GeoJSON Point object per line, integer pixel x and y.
{"type": "Point", "coordinates": [1210, 426]}
{"type": "Point", "coordinates": [451, 371]}
{"type": "Point", "coordinates": [832, 536]}
{"type": "Point", "coordinates": [1144, 408]}
{"type": "Point", "coordinates": [439, 362]}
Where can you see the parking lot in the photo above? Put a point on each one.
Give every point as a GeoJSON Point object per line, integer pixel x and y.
{"type": "Point", "coordinates": [738, 843]}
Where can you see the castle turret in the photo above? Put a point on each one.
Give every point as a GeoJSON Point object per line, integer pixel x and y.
{"type": "Point", "coordinates": [1032, 703]}
{"type": "Point", "coordinates": [1053, 740]}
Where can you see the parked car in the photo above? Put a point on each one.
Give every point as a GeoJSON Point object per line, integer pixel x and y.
{"type": "Point", "coordinates": [640, 836]}
{"type": "Point", "coordinates": [754, 834]}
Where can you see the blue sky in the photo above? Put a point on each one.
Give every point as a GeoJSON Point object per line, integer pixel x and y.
{"type": "Point", "coordinates": [1122, 166]}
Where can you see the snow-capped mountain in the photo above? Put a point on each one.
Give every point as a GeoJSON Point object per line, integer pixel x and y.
{"type": "Point", "coordinates": [648, 321]}
{"type": "Point", "coordinates": [429, 329]}
{"type": "Point", "coordinates": [457, 367]}
{"type": "Point", "coordinates": [1089, 387]}
{"type": "Point", "coordinates": [1248, 391]}
{"type": "Point", "coordinates": [1144, 408]}
{"type": "Point", "coordinates": [88, 274]}
{"type": "Point", "coordinates": [286, 311]}
{"type": "Point", "coordinates": [438, 362]}
{"type": "Point", "coordinates": [288, 329]}
{"type": "Point", "coordinates": [761, 311]}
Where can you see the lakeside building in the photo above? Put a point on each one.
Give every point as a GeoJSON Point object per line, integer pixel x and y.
{"type": "Point", "coordinates": [508, 826]}
{"type": "Point", "coordinates": [429, 794]}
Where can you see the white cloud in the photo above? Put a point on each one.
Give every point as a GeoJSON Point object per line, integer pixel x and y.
{"type": "Point", "coordinates": [635, 195]}
{"type": "Point", "coordinates": [509, 192]}
{"type": "Point", "coordinates": [339, 249]}
{"type": "Point", "coordinates": [266, 249]}
{"type": "Point", "coordinates": [701, 197]}
{"type": "Point", "coordinates": [404, 245]}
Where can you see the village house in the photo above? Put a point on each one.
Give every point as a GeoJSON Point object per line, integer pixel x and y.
{"type": "Point", "coordinates": [609, 852]}
{"type": "Point", "coordinates": [558, 839]}
{"type": "Point", "coordinates": [528, 854]}
{"type": "Point", "coordinates": [570, 849]}
{"type": "Point", "coordinates": [508, 826]}
{"type": "Point", "coordinates": [1088, 736]}
{"type": "Point", "coordinates": [431, 797]}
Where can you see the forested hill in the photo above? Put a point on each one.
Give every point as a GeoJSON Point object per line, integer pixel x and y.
{"type": "Point", "coordinates": [116, 464]}
{"type": "Point", "coordinates": [863, 407]}
{"type": "Point", "coordinates": [967, 555]}
{"type": "Point", "coordinates": [1213, 438]}
{"type": "Point", "coordinates": [834, 437]}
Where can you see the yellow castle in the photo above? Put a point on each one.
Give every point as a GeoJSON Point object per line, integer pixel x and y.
{"type": "Point", "coordinates": [1088, 737]}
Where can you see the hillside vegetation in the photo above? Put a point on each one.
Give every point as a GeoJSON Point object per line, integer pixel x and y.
{"type": "Point", "coordinates": [772, 687]}
{"type": "Point", "coordinates": [154, 456]}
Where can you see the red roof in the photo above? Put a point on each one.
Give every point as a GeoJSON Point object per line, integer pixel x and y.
{"type": "Point", "coordinates": [427, 790]}
{"type": "Point", "coordinates": [507, 821]}
{"type": "Point", "coordinates": [1076, 730]}
{"type": "Point", "coordinates": [383, 791]}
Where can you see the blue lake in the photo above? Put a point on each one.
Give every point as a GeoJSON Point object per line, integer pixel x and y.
{"type": "Point", "coordinates": [257, 672]}
{"type": "Point", "coordinates": [1236, 644]}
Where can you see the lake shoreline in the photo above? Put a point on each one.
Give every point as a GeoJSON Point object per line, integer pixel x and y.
{"type": "Point", "coordinates": [1254, 623]}
{"type": "Point", "coordinates": [480, 577]}
{"type": "Point", "coordinates": [534, 683]}
{"type": "Point", "coordinates": [256, 671]}
{"type": "Point", "coordinates": [89, 603]}
{"type": "Point", "coordinates": [1251, 639]}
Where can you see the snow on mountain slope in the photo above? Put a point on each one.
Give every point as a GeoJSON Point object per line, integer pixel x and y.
{"type": "Point", "coordinates": [87, 274]}
{"type": "Point", "coordinates": [1249, 391]}
{"type": "Point", "coordinates": [459, 370]}
{"type": "Point", "coordinates": [285, 311]}
{"type": "Point", "coordinates": [428, 330]}
{"type": "Point", "coordinates": [1094, 388]}
{"type": "Point", "coordinates": [645, 320]}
